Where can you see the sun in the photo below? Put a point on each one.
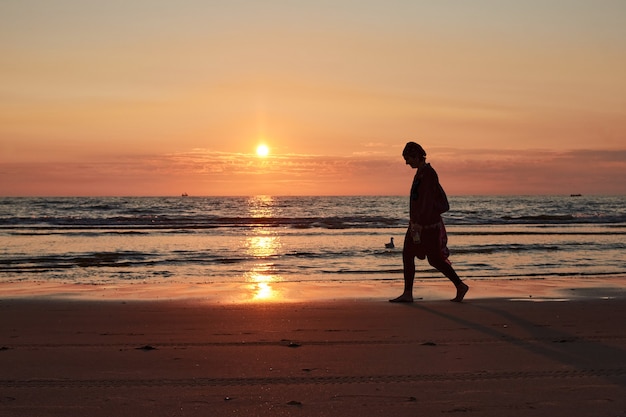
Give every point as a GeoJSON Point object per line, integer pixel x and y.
{"type": "Point", "coordinates": [262, 150]}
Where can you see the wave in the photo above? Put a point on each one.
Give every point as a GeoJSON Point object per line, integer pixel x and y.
{"type": "Point", "coordinates": [542, 218]}
{"type": "Point", "coordinates": [141, 223]}
{"type": "Point", "coordinates": [297, 212]}
{"type": "Point", "coordinates": [198, 222]}
{"type": "Point", "coordinates": [292, 260]}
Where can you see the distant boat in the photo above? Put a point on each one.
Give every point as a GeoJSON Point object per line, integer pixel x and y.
{"type": "Point", "coordinates": [575, 195]}
{"type": "Point", "coordinates": [184, 195]}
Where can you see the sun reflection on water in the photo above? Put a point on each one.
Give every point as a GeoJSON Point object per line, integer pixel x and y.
{"type": "Point", "coordinates": [262, 245]}
{"type": "Point", "coordinates": [261, 206]}
{"type": "Point", "coordinates": [263, 274]}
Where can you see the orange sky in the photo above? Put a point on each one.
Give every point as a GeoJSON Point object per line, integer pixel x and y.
{"type": "Point", "coordinates": [146, 97]}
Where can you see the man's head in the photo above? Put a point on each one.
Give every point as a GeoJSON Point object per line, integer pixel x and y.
{"type": "Point", "coordinates": [414, 154]}
{"type": "Point", "coordinates": [414, 150]}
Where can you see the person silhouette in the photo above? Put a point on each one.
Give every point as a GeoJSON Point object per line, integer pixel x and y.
{"type": "Point", "coordinates": [426, 235]}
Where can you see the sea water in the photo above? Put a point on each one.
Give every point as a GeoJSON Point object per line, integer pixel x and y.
{"type": "Point", "coordinates": [222, 240]}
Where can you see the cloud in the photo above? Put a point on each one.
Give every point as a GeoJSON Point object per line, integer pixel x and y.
{"type": "Point", "coordinates": [535, 171]}
{"type": "Point", "coordinates": [206, 172]}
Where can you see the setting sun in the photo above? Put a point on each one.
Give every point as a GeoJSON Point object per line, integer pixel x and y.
{"type": "Point", "coordinates": [262, 150]}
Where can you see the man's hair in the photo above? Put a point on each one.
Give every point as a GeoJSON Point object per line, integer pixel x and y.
{"type": "Point", "coordinates": [414, 150]}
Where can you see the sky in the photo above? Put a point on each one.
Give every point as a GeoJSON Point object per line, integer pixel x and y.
{"type": "Point", "coordinates": [155, 97]}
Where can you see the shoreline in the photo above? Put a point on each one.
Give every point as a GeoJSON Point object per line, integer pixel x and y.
{"type": "Point", "coordinates": [523, 289]}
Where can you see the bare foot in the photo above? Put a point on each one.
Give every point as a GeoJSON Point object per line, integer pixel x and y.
{"type": "Point", "coordinates": [402, 299]}
{"type": "Point", "coordinates": [461, 290]}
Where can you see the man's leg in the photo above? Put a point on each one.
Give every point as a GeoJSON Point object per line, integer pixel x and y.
{"type": "Point", "coordinates": [446, 269]}
{"type": "Point", "coordinates": [408, 263]}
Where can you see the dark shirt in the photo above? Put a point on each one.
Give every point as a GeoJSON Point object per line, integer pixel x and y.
{"type": "Point", "coordinates": [428, 200]}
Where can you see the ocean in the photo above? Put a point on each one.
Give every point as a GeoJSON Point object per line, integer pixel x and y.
{"type": "Point", "coordinates": [209, 241]}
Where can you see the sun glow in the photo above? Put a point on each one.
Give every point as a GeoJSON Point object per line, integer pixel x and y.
{"type": "Point", "coordinates": [262, 150]}
{"type": "Point", "coordinates": [262, 274]}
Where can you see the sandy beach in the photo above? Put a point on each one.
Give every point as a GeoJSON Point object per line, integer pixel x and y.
{"type": "Point", "coordinates": [489, 356]}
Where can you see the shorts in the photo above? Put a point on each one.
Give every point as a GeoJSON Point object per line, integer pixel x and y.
{"type": "Point", "coordinates": [433, 244]}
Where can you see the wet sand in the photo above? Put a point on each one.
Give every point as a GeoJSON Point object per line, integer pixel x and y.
{"type": "Point", "coordinates": [507, 355]}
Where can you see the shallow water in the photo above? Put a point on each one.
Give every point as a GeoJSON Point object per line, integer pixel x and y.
{"type": "Point", "coordinates": [104, 241]}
